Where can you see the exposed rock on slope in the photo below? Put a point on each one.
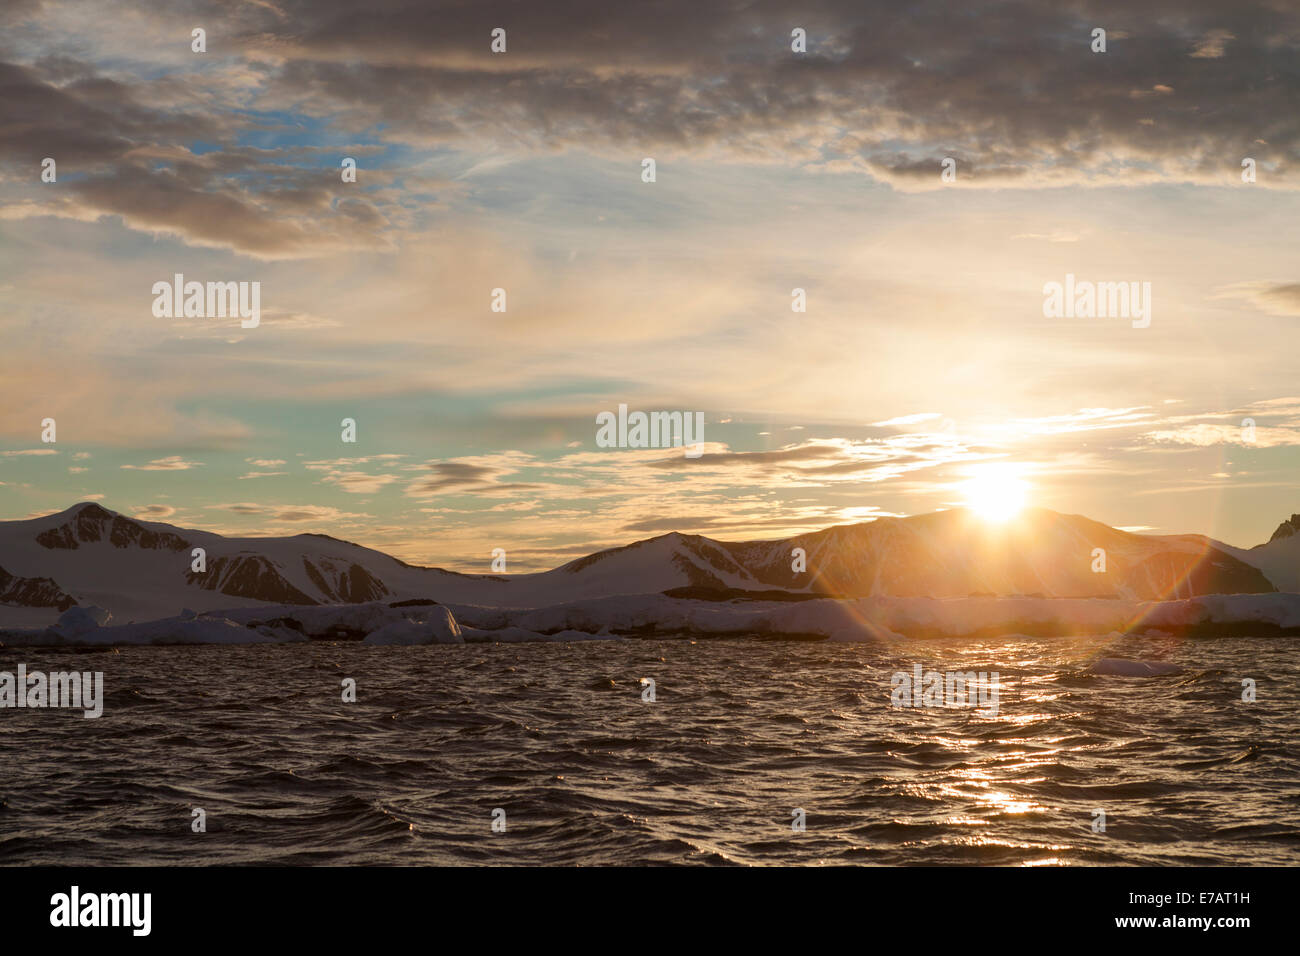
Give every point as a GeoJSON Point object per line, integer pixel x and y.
{"type": "Point", "coordinates": [248, 576]}
{"type": "Point", "coordinates": [33, 592]}
{"type": "Point", "coordinates": [1285, 530]}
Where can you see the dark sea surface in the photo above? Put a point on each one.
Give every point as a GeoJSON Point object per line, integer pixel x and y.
{"type": "Point", "coordinates": [740, 735]}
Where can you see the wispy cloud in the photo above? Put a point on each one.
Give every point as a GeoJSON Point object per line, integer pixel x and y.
{"type": "Point", "coordinates": [170, 463]}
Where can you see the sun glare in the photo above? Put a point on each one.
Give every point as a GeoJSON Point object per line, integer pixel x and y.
{"type": "Point", "coordinates": [995, 492]}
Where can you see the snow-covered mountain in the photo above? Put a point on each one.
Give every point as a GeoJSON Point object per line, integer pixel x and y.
{"type": "Point", "coordinates": [141, 570]}
{"type": "Point", "coordinates": [1279, 558]}
{"type": "Point", "coordinates": [1042, 552]}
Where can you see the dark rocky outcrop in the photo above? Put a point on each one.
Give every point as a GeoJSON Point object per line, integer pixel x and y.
{"type": "Point", "coordinates": [248, 576]}
{"type": "Point", "coordinates": [1286, 529]}
{"type": "Point", "coordinates": [33, 592]}
{"type": "Point", "coordinates": [347, 583]}
{"type": "Point", "coordinates": [1172, 575]}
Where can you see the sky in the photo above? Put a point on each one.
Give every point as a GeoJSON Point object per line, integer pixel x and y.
{"type": "Point", "coordinates": [924, 359]}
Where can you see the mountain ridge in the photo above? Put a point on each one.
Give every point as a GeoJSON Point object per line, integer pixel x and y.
{"type": "Point", "coordinates": [138, 569]}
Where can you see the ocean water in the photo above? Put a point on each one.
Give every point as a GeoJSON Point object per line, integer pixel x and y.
{"type": "Point", "coordinates": [741, 733]}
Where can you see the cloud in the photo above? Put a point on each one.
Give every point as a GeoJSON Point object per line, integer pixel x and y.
{"type": "Point", "coordinates": [907, 419]}
{"type": "Point", "coordinates": [310, 513]}
{"type": "Point", "coordinates": [823, 461]}
{"type": "Point", "coordinates": [207, 210]}
{"type": "Point", "coordinates": [1056, 236]}
{"type": "Point", "coordinates": [1206, 434]}
{"type": "Point", "coordinates": [345, 474]}
{"type": "Point", "coordinates": [1211, 46]}
{"type": "Point", "coordinates": [154, 512]}
{"type": "Point", "coordinates": [330, 464]}
{"type": "Point", "coordinates": [120, 155]}
{"type": "Point", "coordinates": [1029, 105]}
{"type": "Point", "coordinates": [241, 508]}
{"type": "Point", "coordinates": [170, 463]}
{"type": "Point", "coordinates": [720, 80]}
{"type": "Point", "coordinates": [472, 476]}
{"type": "Point", "coordinates": [1082, 420]}
{"type": "Point", "coordinates": [287, 513]}
{"type": "Point", "coordinates": [750, 525]}
{"type": "Point", "coordinates": [67, 111]}
{"type": "Point", "coordinates": [358, 482]}
{"type": "Point", "coordinates": [1275, 298]}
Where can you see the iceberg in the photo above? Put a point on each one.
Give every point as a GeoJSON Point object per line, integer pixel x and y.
{"type": "Point", "coordinates": [435, 626]}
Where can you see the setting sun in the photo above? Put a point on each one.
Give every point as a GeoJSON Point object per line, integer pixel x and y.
{"type": "Point", "coordinates": [995, 492]}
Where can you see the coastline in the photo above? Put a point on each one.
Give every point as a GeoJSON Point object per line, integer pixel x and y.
{"type": "Point", "coordinates": [665, 616]}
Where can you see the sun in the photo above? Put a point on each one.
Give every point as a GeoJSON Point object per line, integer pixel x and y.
{"type": "Point", "coordinates": [995, 492]}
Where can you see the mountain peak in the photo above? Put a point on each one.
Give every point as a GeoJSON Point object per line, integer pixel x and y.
{"type": "Point", "coordinates": [89, 522]}
{"type": "Point", "coordinates": [1286, 529]}
{"type": "Point", "coordinates": [89, 509]}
